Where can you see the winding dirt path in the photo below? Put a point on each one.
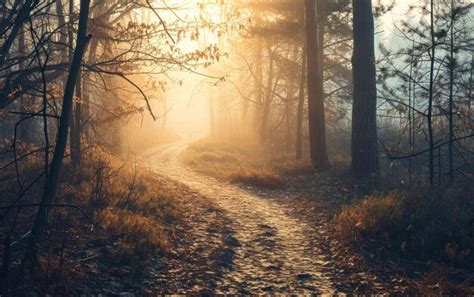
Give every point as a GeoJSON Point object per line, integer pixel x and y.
{"type": "Point", "coordinates": [270, 251]}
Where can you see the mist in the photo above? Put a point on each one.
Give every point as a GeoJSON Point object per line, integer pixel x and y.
{"type": "Point", "coordinates": [236, 147]}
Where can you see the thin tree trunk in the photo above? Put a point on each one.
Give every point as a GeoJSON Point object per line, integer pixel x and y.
{"type": "Point", "coordinates": [471, 80]}
{"type": "Point", "coordinates": [259, 85]}
{"type": "Point", "coordinates": [9, 41]}
{"type": "Point", "coordinates": [365, 161]}
{"type": "Point", "coordinates": [87, 91]}
{"type": "Point", "coordinates": [288, 116]}
{"type": "Point", "coordinates": [269, 95]}
{"type": "Point", "coordinates": [317, 125]}
{"type": "Point", "coordinates": [299, 118]}
{"type": "Point", "coordinates": [70, 40]}
{"type": "Point", "coordinates": [410, 119]}
{"type": "Point", "coordinates": [65, 37]}
{"type": "Point", "coordinates": [264, 133]}
{"type": "Point", "coordinates": [430, 100]}
{"type": "Point", "coordinates": [21, 17]}
{"type": "Point", "coordinates": [63, 29]}
{"type": "Point", "coordinates": [451, 94]}
{"type": "Point", "coordinates": [24, 127]}
{"type": "Point", "coordinates": [76, 153]}
{"type": "Point", "coordinates": [61, 142]}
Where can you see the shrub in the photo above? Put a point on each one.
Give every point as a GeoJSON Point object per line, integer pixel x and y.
{"type": "Point", "coordinates": [372, 216]}
{"type": "Point", "coordinates": [421, 224]}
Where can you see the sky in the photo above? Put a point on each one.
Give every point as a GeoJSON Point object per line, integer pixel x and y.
{"type": "Point", "coordinates": [387, 23]}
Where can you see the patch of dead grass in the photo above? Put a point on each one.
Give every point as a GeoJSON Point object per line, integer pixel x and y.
{"type": "Point", "coordinates": [118, 197]}
{"type": "Point", "coordinates": [374, 215]}
{"type": "Point", "coordinates": [419, 223]}
{"type": "Point", "coordinates": [140, 235]}
{"type": "Point", "coordinates": [243, 162]}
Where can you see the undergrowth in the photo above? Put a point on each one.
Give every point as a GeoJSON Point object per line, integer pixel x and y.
{"type": "Point", "coordinates": [242, 162]}
{"type": "Point", "coordinates": [419, 226]}
{"type": "Point", "coordinates": [132, 212]}
{"type": "Point", "coordinates": [128, 202]}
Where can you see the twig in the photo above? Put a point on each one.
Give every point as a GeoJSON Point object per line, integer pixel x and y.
{"type": "Point", "coordinates": [161, 20]}
{"type": "Point", "coordinates": [49, 205]}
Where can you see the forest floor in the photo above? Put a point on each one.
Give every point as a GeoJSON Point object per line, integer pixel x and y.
{"type": "Point", "coordinates": [239, 234]}
{"type": "Point", "coordinates": [260, 239]}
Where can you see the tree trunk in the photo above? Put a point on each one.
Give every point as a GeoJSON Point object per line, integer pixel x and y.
{"type": "Point", "coordinates": [299, 117]}
{"type": "Point", "coordinates": [63, 29]}
{"type": "Point", "coordinates": [21, 17]}
{"type": "Point", "coordinates": [61, 142]}
{"type": "Point", "coordinates": [365, 161]}
{"type": "Point", "coordinates": [87, 91]}
{"type": "Point", "coordinates": [8, 41]}
{"type": "Point", "coordinates": [469, 102]}
{"type": "Point", "coordinates": [76, 132]}
{"type": "Point", "coordinates": [411, 126]}
{"type": "Point", "coordinates": [267, 98]}
{"type": "Point", "coordinates": [259, 94]}
{"type": "Point", "coordinates": [451, 94]}
{"type": "Point", "coordinates": [70, 40]}
{"type": "Point", "coordinates": [317, 125]}
{"type": "Point", "coordinates": [25, 127]}
{"type": "Point", "coordinates": [430, 99]}
{"type": "Point", "coordinates": [288, 112]}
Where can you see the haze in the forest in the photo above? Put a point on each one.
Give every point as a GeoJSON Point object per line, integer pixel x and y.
{"type": "Point", "coordinates": [236, 147]}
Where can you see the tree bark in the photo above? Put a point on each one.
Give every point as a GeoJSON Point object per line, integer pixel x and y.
{"type": "Point", "coordinates": [365, 160]}
{"type": "Point", "coordinates": [317, 124]}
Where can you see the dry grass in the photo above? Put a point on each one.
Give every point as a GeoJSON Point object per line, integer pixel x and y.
{"type": "Point", "coordinates": [242, 162]}
{"type": "Point", "coordinates": [134, 207]}
{"type": "Point", "coordinates": [120, 199]}
{"type": "Point", "coordinates": [264, 177]}
{"type": "Point", "coordinates": [140, 235]}
{"type": "Point", "coordinates": [372, 216]}
{"type": "Point", "coordinates": [127, 202]}
{"type": "Point", "coordinates": [433, 228]}
{"type": "Point", "coordinates": [421, 225]}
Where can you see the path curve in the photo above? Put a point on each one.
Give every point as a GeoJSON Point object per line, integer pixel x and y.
{"type": "Point", "coordinates": [272, 252]}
